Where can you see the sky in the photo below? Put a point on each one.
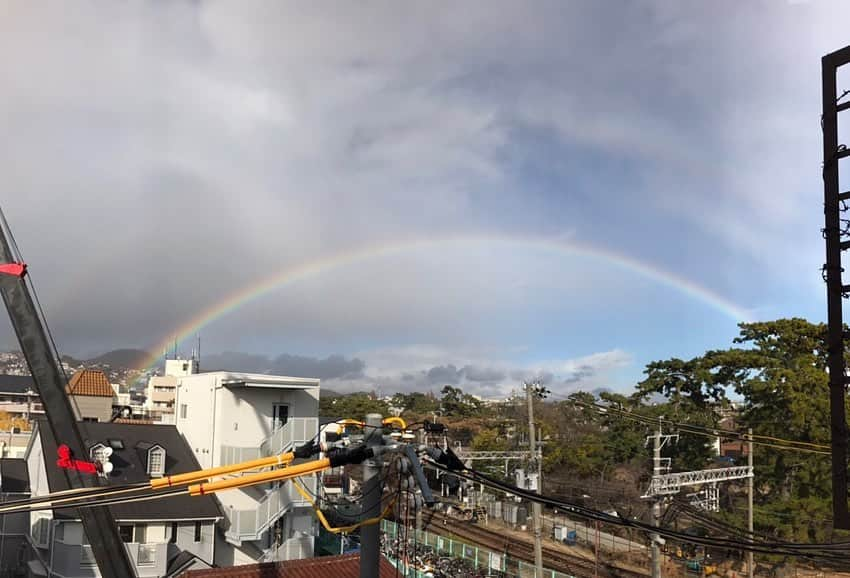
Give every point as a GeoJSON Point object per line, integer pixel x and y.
{"type": "Point", "coordinates": [397, 196]}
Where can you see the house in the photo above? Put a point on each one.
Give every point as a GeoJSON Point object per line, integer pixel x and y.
{"type": "Point", "coordinates": [344, 566]}
{"type": "Point", "coordinates": [234, 417]}
{"type": "Point", "coordinates": [14, 546]}
{"type": "Point", "coordinates": [19, 398]}
{"type": "Point", "coordinates": [13, 443]}
{"type": "Point", "coordinates": [91, 395]}
{"type": "Point", "coordinates": [157, 533]}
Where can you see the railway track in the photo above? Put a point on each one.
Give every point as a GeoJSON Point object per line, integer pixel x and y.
{"type": "Point", "coordinates": [555, 559]}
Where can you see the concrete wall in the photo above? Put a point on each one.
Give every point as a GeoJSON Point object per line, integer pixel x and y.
{"type": "Point", "coordinates": [218, 415]}
{"type": "Point", "coordinates": [89, 406]}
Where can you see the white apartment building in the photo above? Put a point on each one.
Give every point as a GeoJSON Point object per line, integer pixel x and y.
{"type": "Point", "coordinates": [232, 417]}
{"type": "Point", "coordinates": [161, 390]}
{"type": "Point", "coordinates": [163, 537]}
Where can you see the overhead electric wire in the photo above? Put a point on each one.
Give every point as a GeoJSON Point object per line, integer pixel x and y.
{"type": "Point", "coordinates": [811, 551]}
{"type": "Point", "coordinates": [779, 443]}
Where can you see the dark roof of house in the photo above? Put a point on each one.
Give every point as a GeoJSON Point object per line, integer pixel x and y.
{"type": "Point", "coordinates": [130, 466]}
{"type": "Point", "coordinates": [183, 561]}
{"type": "Point", "coordinates": [91, 382]}
{"type": "Point", "coordinates": [16, 383]}
{"type": "Point", "coordinates": [345, 566]}
{"type": "Point", "coordinates": [14, 476]}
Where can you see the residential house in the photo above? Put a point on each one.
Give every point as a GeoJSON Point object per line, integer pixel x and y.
{"type": "Point", "coordinates": [162, 536]}
{"type": "Point", "coordinates": [91, 395]}
{"type": "Point", "coordinates": [14, 529]}
{"type": "Point", "coordinates": [233, 417]}
{"type": "Point", "coordinates": [19, 398]}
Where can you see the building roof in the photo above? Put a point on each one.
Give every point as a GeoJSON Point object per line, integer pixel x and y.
{"type": "Point", "coordinates": [14, 476]}
{"type": "Point", "coordinates": [184, 560]}
{"type": "Point", "coordinates": [130, 444]}
{"type": "Point", "coordinates": [19, 384]}
{"type": "Point", "coordinates": [345, 566]}
{"type": "Point", "coordinates": [91, 382]}
{"type": "Point", "coordinates": [238, 379]}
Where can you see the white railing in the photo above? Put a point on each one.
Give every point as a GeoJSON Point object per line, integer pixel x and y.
{"type": "Point", "coordinates": [296, 431]}
{"type": "Point", "coordinates": [251, 523]}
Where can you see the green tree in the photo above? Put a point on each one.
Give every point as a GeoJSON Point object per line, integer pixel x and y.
{"type": "Point", "coordinates": [355, 406]}
{"type": "Point", "coordinates": [454, 402]}
{"type": "Point", "coordinates": [417, 404]}
{"type": "Point", "coordinates": [778, 368]}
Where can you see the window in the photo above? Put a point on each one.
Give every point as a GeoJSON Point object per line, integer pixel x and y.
{"type": "Point", "coordinates": [90, 419]}
{"type": "Point", "coordinates": [156, 461]}
{"type": "Point", "coordinates": [280, 415]}
{"type": "Point", "coordinates": [173, 538]}
{"type": "Point", "coordinates": [146, 555]}
{"type": "Point", "coordinates": [126, 532]}
{"type": "Point", "coordinates": [183, 410]}
{"type": "Point", "coordinates": [141, 535]}
{"type": "Point", "coordinates": [197, 531]}
{"type": "Point", "coordinates": [98, 453]}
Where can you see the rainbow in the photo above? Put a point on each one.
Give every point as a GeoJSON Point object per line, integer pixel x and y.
{"type": "Point", "coordinates": [281, 279]}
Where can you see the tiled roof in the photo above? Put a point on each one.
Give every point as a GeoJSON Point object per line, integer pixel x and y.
{"type": "Point", "coordinates": [345, 566]}
{"type": "Point", "coordinates": [92, 382]}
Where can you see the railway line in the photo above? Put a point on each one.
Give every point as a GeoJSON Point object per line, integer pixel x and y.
{"type": "Point", "coordinates": [555, 559]}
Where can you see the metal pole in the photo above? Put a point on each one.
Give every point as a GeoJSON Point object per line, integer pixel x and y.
{"type": "Point", "coordinates": [596, 564]}
{"type": "Point", "coordinates": [370, 542]}
{"type": "Point", "coordinates": [99, 525]}
{"type": "Point", "coordinates": [536, 507]}
{"type": "Point", "coordinates": [750, 484]}
{"type": "Point", "coordinates": [835, 288]}
{"type": "Point", "coordinates": [656, 505]}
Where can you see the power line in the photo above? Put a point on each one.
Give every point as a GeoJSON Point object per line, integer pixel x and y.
{"type": "Point", "coordinates": [780, 443]}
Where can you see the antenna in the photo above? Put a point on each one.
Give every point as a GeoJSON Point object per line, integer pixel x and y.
{"type": "Point", "coordinates": [198, 360]}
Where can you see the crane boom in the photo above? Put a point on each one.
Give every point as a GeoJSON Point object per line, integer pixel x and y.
{"type": "Point", "coordinates": [99, 525]}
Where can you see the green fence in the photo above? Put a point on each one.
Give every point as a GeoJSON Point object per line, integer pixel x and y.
{"type": "Point", "coordinates": [480, 558]}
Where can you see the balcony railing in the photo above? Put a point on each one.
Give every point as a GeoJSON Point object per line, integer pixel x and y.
{"type": "Point", "coordinates": [296, 431]}
{"type": "Point", "coordinates": [249, 524]}
{"type": "Point", "coordinates": [149, 559]}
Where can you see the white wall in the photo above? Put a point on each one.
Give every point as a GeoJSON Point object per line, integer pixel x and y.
{"type": "Point", "coordinates": [239, 416]}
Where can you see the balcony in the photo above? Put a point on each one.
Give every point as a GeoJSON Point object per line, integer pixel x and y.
{"type": "Point", "coordinates": [76, 560]}
{"type": "Point", "coordinates": [296, 431]}
{"type": "Point", "coordinates": [250, 524]}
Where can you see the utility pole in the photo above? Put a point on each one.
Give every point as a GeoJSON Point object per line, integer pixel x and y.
{"type": "Point", "coordinates": [837, 239]}
{"type": "Point", "coordinates": [370, 535]}
{"type": "Point", "coordinates": [533, 390]}
{"type": "Point", "coordinates": [750, 484]}
{"type": "Point", "coordinates": [654, 538]}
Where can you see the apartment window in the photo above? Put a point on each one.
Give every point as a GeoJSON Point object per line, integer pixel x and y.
{"type": "Point", "coordinates": [280, 415]}
{"type": "Point", "coordinates": [141, 533]}
{"type": "Point", "coordinates": [183, 410]}
{"type": "Point", "coordinates": [99, 454]}
{"type": "Point", "coordinates": [126, 532]}
{"type": "Point", "coordinates": [197, 531]}
{"type": "Point", "coordinates": [173, 538]}
{"type": "Point", "coordinates": [156, 461]}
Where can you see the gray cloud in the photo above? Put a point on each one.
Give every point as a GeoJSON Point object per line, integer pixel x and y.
{"type": "Point", "coordinates": [195, 149]}
{"type": "Point", "coordinates": [444, 374]}
{"type": "Point", "coordinates": [331, 367]}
